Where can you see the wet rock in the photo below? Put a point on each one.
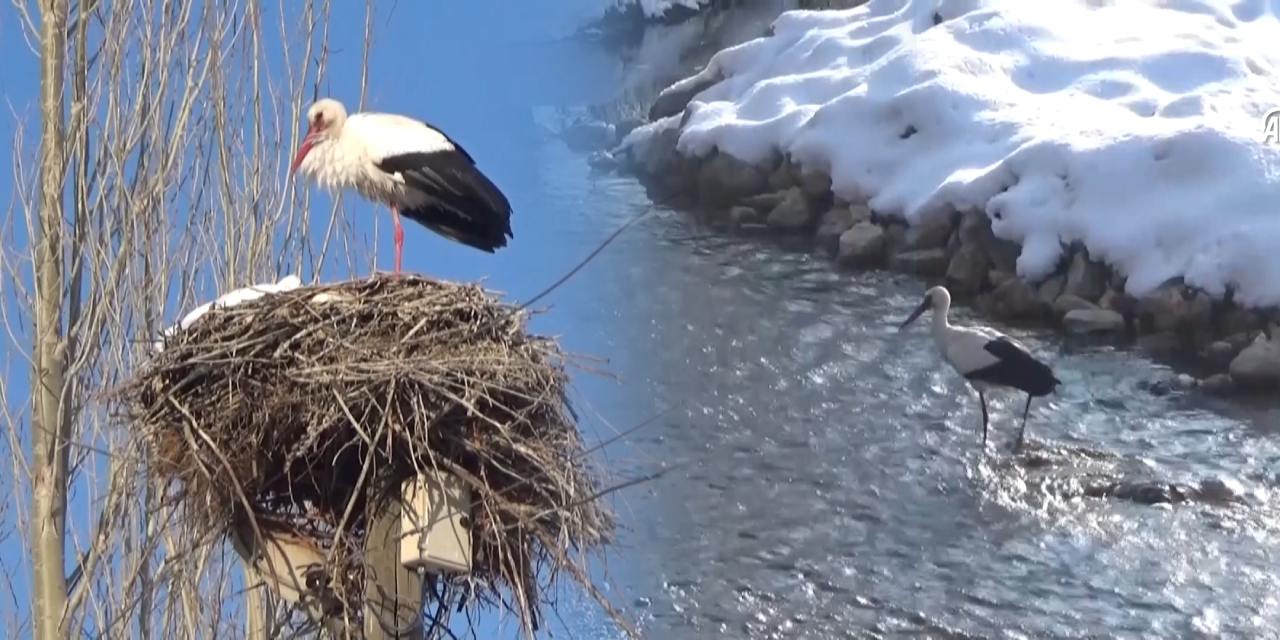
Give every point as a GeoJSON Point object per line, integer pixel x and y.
{"type": "Point", "coordinates": [1017, 299]}
{"type": "Point", "coordinates": [816, 185]}
{"type": "Point", "coordinates": [1050, 289]}
{"type": "Point", "coordinates": [967, 270]}
{"type": "Point", "coordinates": [745, 216]}
{"type": "Point", "coordinates": [1258, 365]}
{"type": "Point", "coordinates": [863, 245]}
{"type": "Point", "coordinates": [1239, 341]}
{"type": "Point", "coordinates": [1085, 278]}
{"type": "Point", "coordinates": [1068, 302]}
{"type": "Point", "coordinates": [793, 213]}
{"type": "Point", "coordinates": [1081, 321]}
{"type": "Point", "coordinates": [924, 262]}
{"type": "Point", "coordinates": [833, 224]}
{"type": "Point", "coordinates": [1172, 307]}
{"type": "Point", "coordinates": [602, 161]}
{"type": "Point", "coordinates": [1163, 342]}
{"type": "Point", "coordinates": [764, 202]}
{"type": "Point", "coordinates": [1221, 488]}
{"type": "Point", "coordinates": [1219, 354]}
{"type": "Point", "coordinates": [1183, 382]}
{"type": "Point", "coordinates": [930, 233]}
{"type": "Point", "coordinates": [587, 135]}
{"type": "Point", "coordinates": [724, 179]}
{"type": "Point", "coordinates": [1141, 492]}
{"type": "Point", "coordinates": [1219, 384]}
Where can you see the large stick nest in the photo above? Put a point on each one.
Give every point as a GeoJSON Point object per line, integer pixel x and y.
{"type": "Point", "coordinates": [304, 411]}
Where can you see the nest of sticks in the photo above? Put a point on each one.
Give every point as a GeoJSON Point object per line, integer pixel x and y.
{"type": "Point", "coordinates": [302, 412]}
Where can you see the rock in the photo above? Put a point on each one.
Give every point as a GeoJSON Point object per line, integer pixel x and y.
{"type": "Point", "coordinates": [1183, 382]}
{"type": "Point", "coordinates": [895, 236]}
{"type": "Point", "coordinates": [833, 224]}
{"type": "Point", "coordinates": [1236, 320]}
{"type": "Point", "coordinates": [782, 178]}
{"type": "Point", "coordinates": [1172, 307]}
{"type": "Point", "coordinates": [675, 98]}
{"type": "Point", "coordinates": [1258, 365]}
{"type": "Point", "coordinates": [764, 202]}
{"type": "Point", "coordinates": [1163, 342]}
{"type": "Point", "coordinates": [925, 262]}
{"type": "Point", "coordinates": [1141, 492]}
{"type": "Point", "coordinates": [1221, 488]}
{"type": "Point", "coordinates": [1217, 384]}
{"type": "Point", "coordinates": [1117, 301]}
{"type": "Point", "coordinates": [625, 126]}
{"type": "Point", "coordinates": [1050, 289]}
{"type": "Point", "coordinates": [997, 277]}
{"type": "Point", "coordinates": [1239, 341]}
{"type": "Point", "coordinates": [602, 161]}
{"type": "Point", "coordinates": [1219, 354]}
{"type": "Point", "coordinates": [745, 216]}
{"type": "Point", "coordinates": [1017, 299]}
{"type": "Point", "coordinates": [724, 179]}
{"type": "Point", "coordinates": [792, 214]}
{"type": "Point", "coordinates": [1004, 254]}
{"type": "Point", "coordinates": [1092, 321]}
{"type": "Point", "coordinates": [863, 245]}
{"type": "Point", "coordinates": [930, 233]}
{"type": "Point", "coordinates": [1069, 302]}
{"type": "Point", "coordinates": [588, 135]}
{"type": "Point", "coordinates": [815, 184]}
{"type": "Point", "coordinates": [1085, 278]}
{"type": "Point", "coordinates": [967, 270]}
{"type": "Point", "coordinates": [975, 229]}
{"type": "Point", "coordinates": [860, 213]}
{"type": "Point", "coordinates": [660, 156]}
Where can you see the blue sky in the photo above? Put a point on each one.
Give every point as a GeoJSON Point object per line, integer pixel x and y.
{"type": "Point", "coordinates": [479, 70]}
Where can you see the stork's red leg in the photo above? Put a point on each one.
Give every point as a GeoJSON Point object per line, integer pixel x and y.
{"type": "Point", "coordinates": [399, 236]}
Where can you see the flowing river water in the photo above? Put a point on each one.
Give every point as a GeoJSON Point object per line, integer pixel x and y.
{"type": "Point", "coordinates": [824, 477]}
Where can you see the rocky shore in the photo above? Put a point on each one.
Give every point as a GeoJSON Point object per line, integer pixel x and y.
{"type": "Point", "coordinates": [1230, 349]}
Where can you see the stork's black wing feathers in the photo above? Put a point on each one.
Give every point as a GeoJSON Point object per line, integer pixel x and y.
{"type": "Point", "coordinates": [1016, 368]}
{"type": "Point", "coordinates": [461, 203]}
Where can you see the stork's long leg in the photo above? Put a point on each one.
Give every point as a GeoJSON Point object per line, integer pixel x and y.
{"type": "Point", "coordinates": [399, 236]}
{"type": "Point", "coordinates": [983, 400]}
{"type": "Point", "coordinates": [1023, 430]}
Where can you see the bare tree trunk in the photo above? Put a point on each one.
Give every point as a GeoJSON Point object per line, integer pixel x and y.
{"type": "Point", "coordinates": [48, 438]}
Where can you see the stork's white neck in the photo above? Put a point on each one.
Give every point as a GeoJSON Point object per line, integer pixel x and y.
{"type": "Point", "coordinates": [940, 322]}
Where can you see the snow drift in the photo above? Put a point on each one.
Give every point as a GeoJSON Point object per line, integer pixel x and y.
{"type": "Point", "coordinates": [1133, 127]}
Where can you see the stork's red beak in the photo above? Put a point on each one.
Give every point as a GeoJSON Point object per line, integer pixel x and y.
{"type": "Point", "coordinates": [303, 150]}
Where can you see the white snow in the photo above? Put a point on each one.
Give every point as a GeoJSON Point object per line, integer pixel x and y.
{"type": "Point", "coordinates": [231, 299]}
{"type": "Point", "coordinates": [657, 8]}
{"type": "Point", "coordinates": [1133, 126]}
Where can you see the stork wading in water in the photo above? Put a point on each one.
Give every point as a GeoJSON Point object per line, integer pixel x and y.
{"type": "Point", "coordinates": [408, 165]}
{"type": "Point", "coordinates": [985, 358]}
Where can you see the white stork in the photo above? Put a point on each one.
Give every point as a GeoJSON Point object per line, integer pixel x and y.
{"type": "Point", "coordinates": [409, 165]}
{"type": "Point", "coordinates": [985, 358]}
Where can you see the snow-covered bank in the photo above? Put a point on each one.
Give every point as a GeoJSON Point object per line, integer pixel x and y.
{"type": "Point", "coordinates": [1098, 165]}
{"type": "Point", "coordinates": [1132, 128]}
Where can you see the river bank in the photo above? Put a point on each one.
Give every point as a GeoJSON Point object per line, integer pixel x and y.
{"type": "Point", "coordinates": [766, 188]}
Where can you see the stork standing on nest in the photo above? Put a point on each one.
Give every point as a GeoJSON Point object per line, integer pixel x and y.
{"type": "Point", "coordinates": [414, 168]}
{"type": "Point", "coordinates": [986, 358]}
